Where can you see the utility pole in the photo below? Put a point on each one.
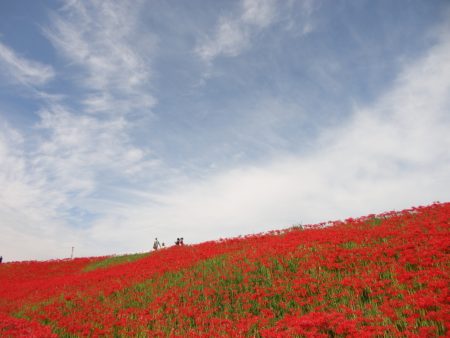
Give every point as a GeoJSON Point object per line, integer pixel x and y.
{"type": "Point", "coordinates": [71, 255]}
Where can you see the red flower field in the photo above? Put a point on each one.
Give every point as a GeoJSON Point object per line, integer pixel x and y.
{"type": "Point", "coordinates": [379, 275]}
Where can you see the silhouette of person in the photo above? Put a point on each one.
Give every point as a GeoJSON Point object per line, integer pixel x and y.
{"type": "Point", "coordinates": [156, 244]}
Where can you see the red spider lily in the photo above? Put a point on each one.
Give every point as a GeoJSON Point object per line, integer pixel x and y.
{"type": "Point", "coordinates": [384, 275]}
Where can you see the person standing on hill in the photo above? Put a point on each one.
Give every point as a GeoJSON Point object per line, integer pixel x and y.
{"type": "Point", "coordinates": [177, 242]}
{"type": "Point", "coordinates": [1, 259]}
{"type": "Point", "coordinates": [181, 241]}
{"type": "Point", "coordinates": [156, 244]}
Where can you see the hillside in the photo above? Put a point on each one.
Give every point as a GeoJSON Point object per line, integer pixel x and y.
{"type": "Point", "coordinates": [379, 275]}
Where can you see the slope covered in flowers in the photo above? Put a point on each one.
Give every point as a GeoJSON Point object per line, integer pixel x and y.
{"type": "Point", "coordinates": [385, 275]}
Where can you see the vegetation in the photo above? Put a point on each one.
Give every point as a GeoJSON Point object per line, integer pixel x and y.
{"type": "Point", "coordinates": [384, 275]}
{"type": "Point", "coordinates": [114, 260]}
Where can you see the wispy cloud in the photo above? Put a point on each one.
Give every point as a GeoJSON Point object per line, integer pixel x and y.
{"type": "Point", "coordinates": [391, 154]}
{"type": "Point", "coordinates": [44, 200]}
{"type": "Point", "coordinates": [28, 208]}
{"type": "Point", "coordinates": [233, 32]}
{"type": "Point", "coordinates": [230, 39]}
{"type": "Point", "coordinates": [99, 38]}
{"type": "Point", "coordinates": [80, 150]}
{"type": "Point", "coordinates": [24, 70]}
{"type": "Point", "coordinates": [79, 153]}
{"type": "Point", "coordinates": [258, 12]}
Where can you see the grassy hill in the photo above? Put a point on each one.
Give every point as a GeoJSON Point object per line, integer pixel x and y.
{"type": "Point", "coordinates": [383, 275]}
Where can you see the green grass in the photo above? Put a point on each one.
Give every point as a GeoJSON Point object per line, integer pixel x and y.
{"type": "Point", "coordinates": [114, 260]}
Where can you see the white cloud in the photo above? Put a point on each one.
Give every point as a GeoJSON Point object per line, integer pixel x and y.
{"type": "Point", "coordinates": [100, 38]}
{"type": "Point", "coordinates": [23, 70]}
{"type": "Point", "coordinates": [258, 12]}
{"type": "Point", "coordinates": [233, 33]}
{"type": "Point", "coordinates": [390, 155]}
{"type": "Point", "coordinates": [230, 40]}
{"type": "Point", "coordinates": [80, 150]}
{"type": "Point", "coordinates": [29, 221]}
{"type": "Point", "coordinates": [80, 157]}
{"type": "Point", "coordinates": [78, 153]}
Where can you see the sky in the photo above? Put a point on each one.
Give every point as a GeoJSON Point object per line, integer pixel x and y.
{"type": "Point", "coordinates": [122, 121]}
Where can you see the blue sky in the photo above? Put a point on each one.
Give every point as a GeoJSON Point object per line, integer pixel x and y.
{"type": "Point", "coordinates": [123, 121]}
